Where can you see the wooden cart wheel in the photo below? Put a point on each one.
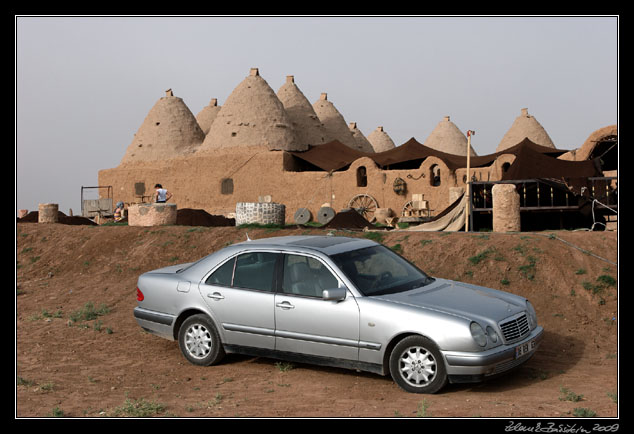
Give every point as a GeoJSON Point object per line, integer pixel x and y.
{"type": "Point", "coordinates": [407, 208]}
{"type": "Point", "coordinates": [365, 205]}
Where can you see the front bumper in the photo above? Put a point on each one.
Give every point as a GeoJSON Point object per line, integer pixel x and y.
{"type": "Point", "coordinates": [471, 367]}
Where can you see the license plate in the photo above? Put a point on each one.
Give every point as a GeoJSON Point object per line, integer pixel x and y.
{"type": "Point", "coordinates": [525, 348]}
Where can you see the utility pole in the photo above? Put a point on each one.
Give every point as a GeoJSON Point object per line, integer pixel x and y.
{"type": "Point", "coordinates": [468, 205]}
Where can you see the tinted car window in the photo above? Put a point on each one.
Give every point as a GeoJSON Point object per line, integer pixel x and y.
{"type": "Point", "coordinates": [306, 276]}
{"type": "Point", "coordinates": [222, 276]}
{"type": "Point", "coordinates": [378, 270]}
{"type": "Point", "coordinates": [255, 271]}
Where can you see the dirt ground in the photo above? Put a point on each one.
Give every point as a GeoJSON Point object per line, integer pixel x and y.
{"type": "Point", "coordinates": [106, 366]}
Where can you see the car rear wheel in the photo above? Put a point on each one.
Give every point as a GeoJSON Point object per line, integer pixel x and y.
{"type": "Point", "coordinates": [417, 366]}
{"type": "Point", "coordinates": [199, 341]}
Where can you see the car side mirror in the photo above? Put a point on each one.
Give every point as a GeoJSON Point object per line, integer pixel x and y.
{"type": "Point", "coordinates": [334, 294]}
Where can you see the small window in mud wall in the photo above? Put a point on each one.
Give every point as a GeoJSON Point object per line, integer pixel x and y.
{"type": "Point", "coordinates": [226, 186]}
{"type": "Point", "coordinates": [362, 177]}
{"type": "Point", "coordinates": [139, 188]}
{"type": "Point", "coordinates": [434, 175]}
{"type": "Point", "coordinates": [505, 167]}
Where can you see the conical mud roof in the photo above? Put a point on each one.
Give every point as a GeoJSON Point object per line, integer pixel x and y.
{"type": "Point", "coordinates": [525, 126]}
{"type": "Point", "coordinates": [206, 116]}
{"type": "Point", "coordinates": [446, 137]}
{"type": "Point", "coordinates": [252, 116]}
{"type": "Point", "coordinates": [363, 144]}
{"type": "Point", "coordinates": [380, 140]}
{"type": "Point", "coordinates": [335, 124]}
{"type": "Point", "coordinates": [308, 128]}
{"type": "Point", "coordinates": [169, 129]}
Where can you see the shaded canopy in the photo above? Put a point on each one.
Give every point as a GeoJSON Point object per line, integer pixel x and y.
{"type": "Point", "coordinates": [532, 161]}
{"type": "Point", "coordinates": [330, 156]}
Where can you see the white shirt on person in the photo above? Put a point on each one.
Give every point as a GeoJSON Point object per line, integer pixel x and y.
{"type": "Point", "coordinates": [161, 195]}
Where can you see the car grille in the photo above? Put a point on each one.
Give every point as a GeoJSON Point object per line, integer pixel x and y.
{"type": "Point", "coordinates": [515, 328]}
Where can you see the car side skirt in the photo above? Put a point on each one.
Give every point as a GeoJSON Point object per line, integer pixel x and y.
{"type": "Point", "coordinates": [306, 358]}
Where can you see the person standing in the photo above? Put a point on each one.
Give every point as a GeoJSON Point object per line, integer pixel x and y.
{"type": "Point", "coordinates": [161, 195]}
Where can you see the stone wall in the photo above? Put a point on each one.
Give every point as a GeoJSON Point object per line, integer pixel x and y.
{"type": "Point", "coordinates": [260, 212]}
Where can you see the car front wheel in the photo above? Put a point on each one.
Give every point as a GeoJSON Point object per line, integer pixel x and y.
{"type": "Point", "coordinates": [199, 341]}
{"type": "Point", "coordinates": [417, 366]}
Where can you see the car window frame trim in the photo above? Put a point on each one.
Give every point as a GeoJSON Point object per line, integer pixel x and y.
{"type": "Point", "coordinates": [279, 270]}
{"type": "Point", "coordinates": [317, 258]}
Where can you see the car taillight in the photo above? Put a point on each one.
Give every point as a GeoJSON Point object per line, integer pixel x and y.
{"type": "Point", "coordinates": [139, 294]}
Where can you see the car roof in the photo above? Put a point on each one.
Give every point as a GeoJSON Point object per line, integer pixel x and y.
{"type": "Point", "coordinates": [326, 244]}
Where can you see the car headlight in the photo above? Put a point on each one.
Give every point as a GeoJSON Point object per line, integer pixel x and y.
{"type": "Point", "coordinates": [477, 332]}
{"type": "Point", "coordinates": [492, 334]}
{"type": "Point", "coordinates": [532, 315]}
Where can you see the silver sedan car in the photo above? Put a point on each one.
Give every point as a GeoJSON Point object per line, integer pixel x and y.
{"type": "Point", "coordinates": [337, 301]}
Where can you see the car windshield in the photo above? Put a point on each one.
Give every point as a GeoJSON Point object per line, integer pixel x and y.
{"type": "Point", "coordinates": [378, 270]}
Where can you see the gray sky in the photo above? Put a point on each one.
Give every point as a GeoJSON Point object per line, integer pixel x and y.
{"type": "Point", "coordinates": [85, 84]}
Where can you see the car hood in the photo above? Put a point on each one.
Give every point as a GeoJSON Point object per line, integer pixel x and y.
{"type": "Point", "coordinates": [461, 299]}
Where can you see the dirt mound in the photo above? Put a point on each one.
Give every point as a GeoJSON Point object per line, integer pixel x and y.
{"type": "Point", "coordinates": [33, 217]}
{"type": "Point", "coordinates": [80, 353]}
{"type": "Point", "coordinates": [348, 219]}
{"type": "Point", "coordinates": [62, 218]}
{"type": "Point", "coordinates": [76, 220]}
{"type": "Point", "coordinates": [199, 217]}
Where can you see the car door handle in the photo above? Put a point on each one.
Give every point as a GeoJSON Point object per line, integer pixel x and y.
{"type": "Point", "coordinates": [216, 296]}
{"type": "Point", "coordinates": [285, 305]}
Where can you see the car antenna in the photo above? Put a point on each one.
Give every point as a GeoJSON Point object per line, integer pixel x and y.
{"type": "Point", "coordinates": [248, 239]}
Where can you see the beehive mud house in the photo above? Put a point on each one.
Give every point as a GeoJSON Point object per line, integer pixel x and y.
{"type": "Point", "coordinates": [262, 143]}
